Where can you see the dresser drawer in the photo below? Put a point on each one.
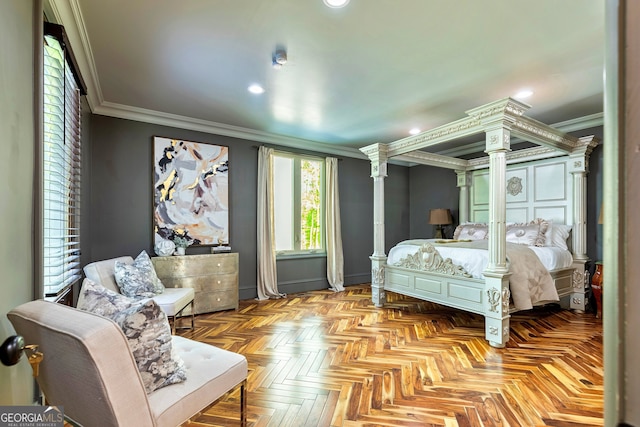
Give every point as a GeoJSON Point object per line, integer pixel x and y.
{"type": "Point", "coordinates": [195, 265]}
{"type": "Point", "coordinates": [210, 301]}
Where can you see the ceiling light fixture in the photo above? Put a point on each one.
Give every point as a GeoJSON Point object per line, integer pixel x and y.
{"type": "Point", "coordinates": [525, 93]}
{"type": "Point", "coordinates": [336, 3]}
{"type": "Point", "coordinates": [256, 89]}
{"type": "Point", "coordinates": [414, 131]}
{"type": "Point", "coordinates": [279, 58]}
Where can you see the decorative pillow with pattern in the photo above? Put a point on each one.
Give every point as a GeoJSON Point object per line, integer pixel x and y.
{"type": "Point", "coordinates": [102, 301]}
{"type": "Point", "coordinates": [138, 280]}
{"type": "Point", "coordinates": [470, 231]}
{"type": "Point", "coordinates": [147, 330]}
{"type": "Point", "coordinates": [530, 234]}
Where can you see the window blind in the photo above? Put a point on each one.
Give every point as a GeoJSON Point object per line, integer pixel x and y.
{"type": "Point", "coordinates": [62, 157]}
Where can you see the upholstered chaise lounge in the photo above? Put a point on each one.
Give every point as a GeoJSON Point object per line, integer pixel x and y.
{"type": "Point", "coordinates": [172, 301]}
{"type": "Point", "coordinates": [89, 369]}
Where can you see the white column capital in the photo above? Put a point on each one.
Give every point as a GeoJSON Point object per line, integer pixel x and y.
{"type": "Point", "coordinates": [464, 178]}
{"type": "Point", "coordinates": [498, 138]}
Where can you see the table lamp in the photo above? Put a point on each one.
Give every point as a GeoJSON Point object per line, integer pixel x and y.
{"type": "Point", "coordinates": [439, 217]}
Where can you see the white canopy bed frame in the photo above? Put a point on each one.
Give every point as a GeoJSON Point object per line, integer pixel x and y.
{"type": "Point", "coordinates": [554, 177]}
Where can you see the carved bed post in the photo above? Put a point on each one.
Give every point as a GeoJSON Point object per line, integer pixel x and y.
{"type": "Point", "coordinates": [497, 273]}
{"type": "Point", "coordinates": [377, 153]}
{"type": "Point", "coordinates": [464, 182]}
{"type": "Point", "coordinates": [579, 168]}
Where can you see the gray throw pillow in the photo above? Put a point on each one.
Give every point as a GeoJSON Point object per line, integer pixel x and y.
{"type": "Point", "coordinates": [138, 280]}
{"type": "Point", "coordinates": [146, 327]}
{"type": "Point", "coordinates": [147, 330]}
{"type": "Point", "coordinates": [102, 301]}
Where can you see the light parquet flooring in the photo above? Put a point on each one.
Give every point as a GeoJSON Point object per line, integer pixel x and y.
{"type": "Point", "coordinates": [333, 359]}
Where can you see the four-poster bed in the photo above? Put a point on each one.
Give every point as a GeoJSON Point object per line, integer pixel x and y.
{"type": "Point", "coordinates": [547, 181]}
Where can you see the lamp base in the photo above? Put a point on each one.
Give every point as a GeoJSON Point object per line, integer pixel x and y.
{"type": "Point", "coordinates": [439, 232]}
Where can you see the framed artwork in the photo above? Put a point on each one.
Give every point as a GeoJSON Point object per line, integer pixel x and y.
{"type": "Point", "coordinates": [190, 191]}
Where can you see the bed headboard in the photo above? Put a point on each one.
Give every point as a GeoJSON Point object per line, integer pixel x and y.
{"type": "Point", "coordinates": [536, 189]}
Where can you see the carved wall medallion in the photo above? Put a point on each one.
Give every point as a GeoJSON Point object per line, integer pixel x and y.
{"type": "Point", "coordinates": [514, 186]}
{"type": "Point", "coordinates": [427, 258]}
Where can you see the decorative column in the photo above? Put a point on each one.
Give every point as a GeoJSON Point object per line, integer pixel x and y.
{"type": "Point", "coordinates": [378, 155]}
{"type": "Point", "coordinates": [579, 168]}
{"type": "Point", "coordinates": [464, 182]}
{"type": "Point", "coordinates": [497, 273]}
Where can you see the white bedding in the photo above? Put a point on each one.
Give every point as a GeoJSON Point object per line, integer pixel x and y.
{"type": "Point", "coordinates": [474, 260]}
{"type": "Point", "coordinates": [531, 283]}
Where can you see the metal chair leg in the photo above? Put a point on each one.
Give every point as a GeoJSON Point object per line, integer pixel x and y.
{"type": "Point", "coordinates": [243, 404]}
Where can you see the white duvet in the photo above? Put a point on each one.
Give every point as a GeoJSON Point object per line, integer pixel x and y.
{"type": "Point", "coordinates": [530, 282]}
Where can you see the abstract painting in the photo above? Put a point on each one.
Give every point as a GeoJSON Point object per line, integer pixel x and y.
{"type": "Point", "coordinates": [191, 191]}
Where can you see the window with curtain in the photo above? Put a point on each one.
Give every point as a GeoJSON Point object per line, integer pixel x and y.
{"type": "Point", "coordinates": [298, 183]}
{"type": "Point", "coordinates": [61, 155]}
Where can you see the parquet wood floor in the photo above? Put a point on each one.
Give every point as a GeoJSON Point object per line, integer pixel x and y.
{"type": "Point", "coordinates": [333, 359]}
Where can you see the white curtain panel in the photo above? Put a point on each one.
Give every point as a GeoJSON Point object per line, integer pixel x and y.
{"type": "Point", "coordinates": [335, 257]}
{"type": "Point", "coordinates": [267, 274]}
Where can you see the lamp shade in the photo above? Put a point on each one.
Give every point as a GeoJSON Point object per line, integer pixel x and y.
{"type": "Point", "coordinates": [601, 218]}
{"type": "Point", "coordinates": [439, 216]}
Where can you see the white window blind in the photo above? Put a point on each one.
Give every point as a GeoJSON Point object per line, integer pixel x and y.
{"type": "Point", "coordinates": [61, 170]}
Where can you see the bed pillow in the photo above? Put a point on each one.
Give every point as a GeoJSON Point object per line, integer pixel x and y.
{"type": "Point", "coordinates": [147, 330]}
{"type": "Point", "coordinates": [557, 236]}
{"type": "Point", "coordinates": [471, 231]}
{"type": "Point", "coordinates": [530, 234]}
{"type": "Point", "coordinates": [139, 279]}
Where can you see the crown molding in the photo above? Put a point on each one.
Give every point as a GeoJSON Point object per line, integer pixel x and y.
{"type": "Point", "coordinates": [68, 14]}
{"type": "Point", "coordinates": [182, 122]}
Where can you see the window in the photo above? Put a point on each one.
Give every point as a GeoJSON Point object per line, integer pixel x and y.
{"type": "Point", "coordinates": [298, 203]}
{"type": "Point", "coordinates": [61, 153]}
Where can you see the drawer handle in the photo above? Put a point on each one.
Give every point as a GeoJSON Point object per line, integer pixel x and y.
{"type": "Point", "coordinates": [218, 299]}
{"type": "Point", "coordinates": [218, 282]}
{"type": "Point", "coordinates": [218, 264]}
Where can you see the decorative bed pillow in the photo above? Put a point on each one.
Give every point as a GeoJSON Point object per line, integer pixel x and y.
{"type": "Point", "coordinates": [557, 235]}
{"type": "Point", "coordinates": [138, 280]}
{"type": "Point", "coordinates": [147, 330]}
{"type": "Point", "coordinates": [102, 301]}
{"type": "Point", "coordinates": [530, 234]}
{"type": "Point", "coordinates": [471, 231]}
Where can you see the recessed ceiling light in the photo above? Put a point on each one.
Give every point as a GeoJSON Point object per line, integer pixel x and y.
{"type": "Point", "coordinates": [256, 89]}
{"type": "Point", "coordinates": [523, 94]}
{"type": "Point", "coordinates": [336, 3]}
{"type": "Point", "coordinates": [414, 131]}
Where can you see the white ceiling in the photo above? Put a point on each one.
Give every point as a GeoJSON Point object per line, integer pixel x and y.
{"type": "Point", "coordinates": [363, 74]}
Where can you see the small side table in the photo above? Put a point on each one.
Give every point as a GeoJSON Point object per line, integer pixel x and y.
{"type": "Point", "coordinates": [596, 287]}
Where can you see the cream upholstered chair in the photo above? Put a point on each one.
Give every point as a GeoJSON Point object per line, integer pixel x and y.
{"type": "Point", "coordinates": [89, 370]}
{"type": "Point", "coordinates": [172, 301]}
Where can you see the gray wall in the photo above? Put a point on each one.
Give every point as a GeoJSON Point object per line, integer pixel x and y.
{"type": "Point", "coordinates": [120, 204]}
{"type": "Point", "coordinates": [16, 178]}
{"type": "Point", "coordinates": [432, 188]}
